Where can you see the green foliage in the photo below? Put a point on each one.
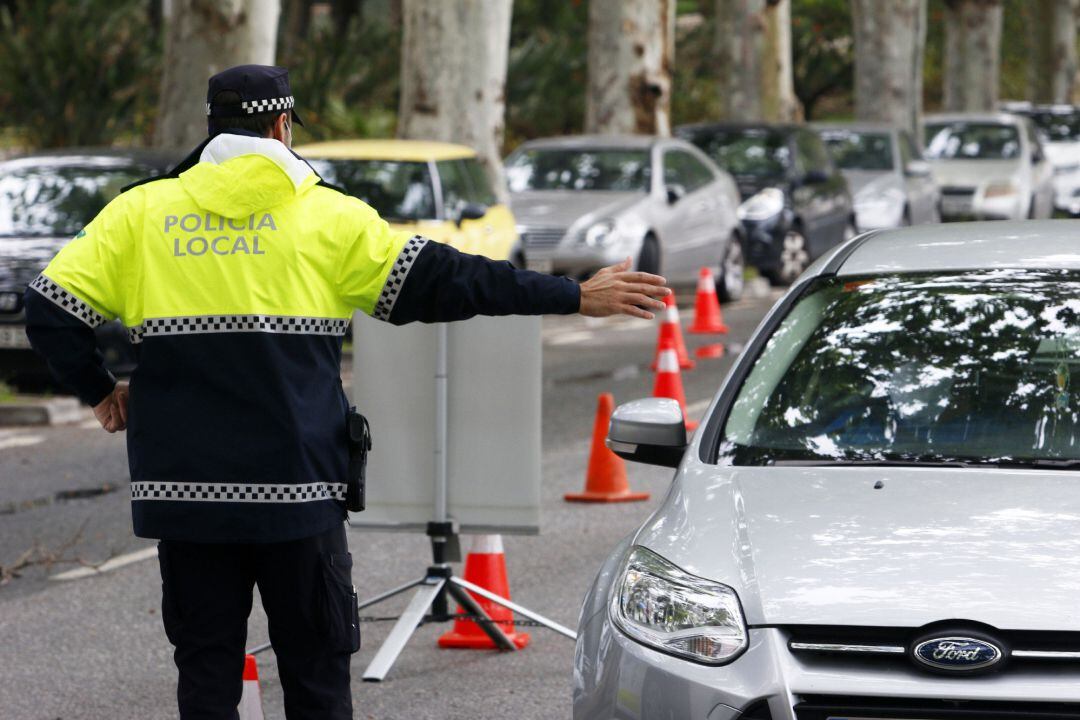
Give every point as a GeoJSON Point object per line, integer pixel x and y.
{"type": "Point", "coordinates": [81, 72]}
{"type": "Point", "coordinates": [546, 72]}
{"type": "Point", "coordinates": [823, 56]}
{"type": "Point", "coordinates": [695, 96]}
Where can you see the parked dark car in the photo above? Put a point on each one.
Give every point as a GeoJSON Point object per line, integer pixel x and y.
{"type": "Point", "coordinates": [45, 199]}
{"type": "Point", "coordinates": [795, 202]}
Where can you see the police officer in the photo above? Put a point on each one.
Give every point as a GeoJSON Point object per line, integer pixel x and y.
{"type": "Point", "coordinates": [236, 276]}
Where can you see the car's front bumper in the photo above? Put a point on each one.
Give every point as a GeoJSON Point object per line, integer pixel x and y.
{"type": "Point", "coordinates": [577, 259]}
{"type": "Point", "coordinates": [1067, 191]}
{"type": "Point", "coordinates": [765, 241]}
{"type": "Point", "coordinates": [615, 677]}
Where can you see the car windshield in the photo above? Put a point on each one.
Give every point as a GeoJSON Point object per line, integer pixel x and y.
{"type": "Point", "coordinates": [756, 152]}
{"type": "Point", "coordinates": [853, 150]}
{"type": "Point", "coordinates": [1058, 126]}
{"type": "Point", "coordinates": [972, 141]}
{"type": "Point", "coordinates": [58, 200]}
{"type": "Point", "coordinates": [396, 190]}
{"type": "Point", "coordinates": [624, 170]}
{"type": "Point", "coordinates": [973, 367]}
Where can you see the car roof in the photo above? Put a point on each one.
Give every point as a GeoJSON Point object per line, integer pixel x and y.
{"type": "Point", "coordinates": [856, 126]}
{"type": "Point", "coordinates": [95, 157]}
{"type": "Point", "coordinates": [391, 149]}
{"type": "Point", "coordinates": [1031, 244]}
{"type": "Point", "coordinates": [594, 141]}
{"type": "Point", "coordinates": [988, 117]}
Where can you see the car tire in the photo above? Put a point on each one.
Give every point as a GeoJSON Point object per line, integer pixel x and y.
{"type": "Point", "coordinates": [1032, 208]}
{"type": "Point", "coordinates": [649, 255]}
{"type": "Point", "coordinates": [731, 283]}
{"type": "Point", "coordinates": [905, 219]}
{"type": "Point", "coordinates": [794, 258]}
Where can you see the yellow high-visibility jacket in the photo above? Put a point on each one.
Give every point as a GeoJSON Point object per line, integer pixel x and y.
{"type": "Point", "coordinates": [237, 276]}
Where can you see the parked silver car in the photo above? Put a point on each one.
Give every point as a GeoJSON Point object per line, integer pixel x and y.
{"type": "Point", "coordinates": [989, 167]}
{"type": "Point", "coordinates": [891, 185]}
{"type": "Point", "coordinates": [1059, 126]}
{"type": "Point", "coordinates": [880, 515]}
{"type": "Point", "coordinates": [588, 201]}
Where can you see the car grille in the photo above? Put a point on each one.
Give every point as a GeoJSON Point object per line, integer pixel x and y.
{"type": "Point", "coordinates": [10, 302]}
{"type": "Point", "coordinates": [824, 707]}
{"type": "Point", "coordinates": [889, 646]}
{"type": "Point", "coordinates": [957, 190]}
{"type": "Point", "coordinates": [538, 238]}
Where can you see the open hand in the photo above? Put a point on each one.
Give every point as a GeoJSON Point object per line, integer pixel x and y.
{"type": "Point", "coordinates": [617, 290]}
{"type": "Point", "coordinates": [112, 411]}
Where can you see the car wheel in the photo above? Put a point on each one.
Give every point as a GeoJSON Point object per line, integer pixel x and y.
{"type": "Point", "coordinates": [1032, 213]}
{"type": "Point", "coordinates": [850, 231]}
{"type": "Point", "coordinates": [732, 267]}
{"type": "Point", "coordinates": [649, 257]}
{"type": "Point", "coordinates": [905, 219]}
{"type": "Point", "coordinates": [794, 257]}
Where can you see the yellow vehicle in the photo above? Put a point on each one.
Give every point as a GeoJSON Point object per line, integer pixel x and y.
{"type": "Point", "coordinates": [438, 190]}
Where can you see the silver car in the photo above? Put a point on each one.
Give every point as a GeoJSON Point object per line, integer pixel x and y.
{"type": "Point", "coordinates": [989, 167]}
{"type": "Point", "coordinates": [880, 516]}
{"type": "Point", "coordinates": [584, 202]}
{"type": "Point", "coordinates": [1059, 126]}
{"type": "Point", "coordinates": [891, 185]}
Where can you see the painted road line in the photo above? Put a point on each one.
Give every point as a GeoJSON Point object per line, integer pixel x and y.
{"type": "Point", "coordinates": [90, 424]}
{"type": "Point", "coordinates": [112, 564]}
{"type": "Point", "coordinates": [20, 441]}
{"type": "Point", "coordinates": [575, 336]}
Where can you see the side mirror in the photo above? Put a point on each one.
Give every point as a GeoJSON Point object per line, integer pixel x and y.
{"type": "Point", "coordinates": [651, 431]}
{"type": "Point", "coordinates": [471, 211]}
{"type": "Point", "coordinates": [917, 168]}
{"type": "Point", "coordinates": [815, 177]}
{"type": "Point", "coordinates": [675, 193]}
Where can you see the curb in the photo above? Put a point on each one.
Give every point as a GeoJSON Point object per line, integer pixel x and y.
{"type": "Point", "coordinates": [40, 411]}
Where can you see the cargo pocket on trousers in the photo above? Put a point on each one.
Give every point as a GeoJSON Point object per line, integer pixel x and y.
{"type": "Point", "coordinates": [342, 618]}
{"type": "Point", "coordinates": [170, 618]}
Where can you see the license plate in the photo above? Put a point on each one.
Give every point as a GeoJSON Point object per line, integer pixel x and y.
{"type": "Point", "coordinates": [544, 265]}
{"type": "Point", "coordinates": [13, 336]}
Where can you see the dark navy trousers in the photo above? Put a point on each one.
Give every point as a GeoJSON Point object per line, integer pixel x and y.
{"type": "Point", "coordinates": [307, 592]}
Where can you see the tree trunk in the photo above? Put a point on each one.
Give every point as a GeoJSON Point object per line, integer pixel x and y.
{"type": "Point", "coordinates": [972, 54]}
{"type": "Point", "coordinates": [205, 37]}
{"type": "Point", "coordinates": [752, 47]}
{"type": "Point", "coordinates": [453, 75]}
{"type": "Point", "coordinates": [889, 39]}
{"type": "Point", "coordinates": [1053, 62]}
{"type": "Point", "coordinates": [631, 54]}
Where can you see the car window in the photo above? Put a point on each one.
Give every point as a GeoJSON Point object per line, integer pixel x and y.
{"type": "Point", "coordinates": [456, 191]}
{"type": "Point", "coordinates": [58, 200]}
{"type": "Point", "coordinates": [754, 152]}
{"type": "Point", "coordinates": [970, 367]}
{"type": "Point", "coordinates": [811, 153]}
{"type": "Point", "coordinates": [579, 169]}
{"type": "Point", "coordinates": [396, 190]}
{"type": "Point", "coordinates": [858, 150]}
{"type": "Point", "coordinates": [972, 141]}
{"type": "Point", "coordinates": [1059, 126]}
{"type": "Point", "coordinates": [480, 191]}
{"type": "Point", "coordinates": [682, 168]}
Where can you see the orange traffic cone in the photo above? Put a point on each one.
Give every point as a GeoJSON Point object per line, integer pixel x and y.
{"type": "Point", "coordinates": [670, 330]}
{"type": "Point", "coordinates": [605, 480]}
{"type": "Point", "coordinates": [485, 565]}
{"type": "Point", "coordinates": [708, 319]}
{"type": "Point", "coordinates": [669, 382]}
{"type": "Point", "coordinates": [250, 707]}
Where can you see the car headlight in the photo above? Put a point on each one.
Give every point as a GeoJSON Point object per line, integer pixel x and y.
{"type": "Point", "coordinates": [669, 609]}
{"type": "Point", "coordinates": [999, 189]}
{"type": "Point", "coordinates": [598, 235]}
{"type": "Point", "coordinates": [762, 205]}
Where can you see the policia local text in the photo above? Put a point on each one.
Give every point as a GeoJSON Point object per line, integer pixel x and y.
{"type": "Point", "coordinates": [220, 244]}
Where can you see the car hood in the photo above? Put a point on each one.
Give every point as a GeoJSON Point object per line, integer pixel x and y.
{"type": "Point", "coordinates": [822, 546]}
{"type": "Point", "coordinates": [1063, 153]}
{"type": "Point", "coordinates": [562, 208]}
{"type": "Point", "coordinates": [21, 259]}
{"type": "Point", "coordinates": [863, 183]}
{"type": "Point", "coordinates": [972, 173]}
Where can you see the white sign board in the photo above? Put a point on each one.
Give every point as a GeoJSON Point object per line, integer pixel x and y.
{"type": "Point", "coordinates": [493, 428]}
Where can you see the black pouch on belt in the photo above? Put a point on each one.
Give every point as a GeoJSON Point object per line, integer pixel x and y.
{"type": "Point", "coordinates": [359, 438]}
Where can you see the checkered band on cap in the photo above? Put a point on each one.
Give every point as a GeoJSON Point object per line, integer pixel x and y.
{"type": "Point", "coordinates": [196, 325]}
{"type": "Point", "coordinates": [396, 278]}
{"type": "Point", "coordinates": [65, 300]}
{"type": "Point", "coordinates": [252, 107]}
{"type": "Point", "coordinates": [237, 492]}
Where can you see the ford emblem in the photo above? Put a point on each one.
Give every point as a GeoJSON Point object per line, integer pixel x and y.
{"type": "Point", "coordinates": [957, 654]}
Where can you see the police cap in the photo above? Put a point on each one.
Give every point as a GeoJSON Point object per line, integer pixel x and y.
{"type": "Point", "coordinates": [261, 89]}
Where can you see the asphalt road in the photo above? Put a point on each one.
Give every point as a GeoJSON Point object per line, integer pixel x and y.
{"type": "Point", "coordinates": [94, 648]}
